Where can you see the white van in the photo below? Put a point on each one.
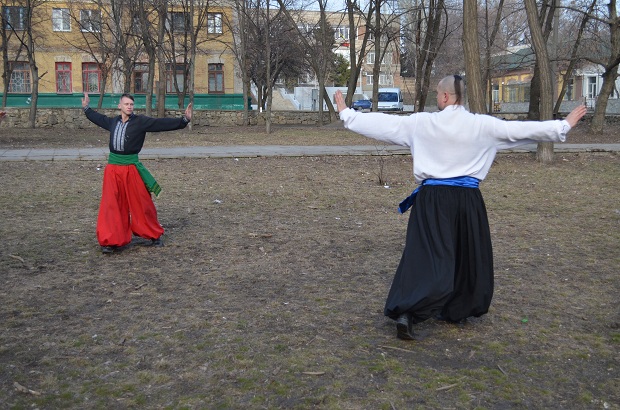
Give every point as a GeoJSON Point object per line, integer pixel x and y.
{"type": "Point", "coordinates": [389, 99]}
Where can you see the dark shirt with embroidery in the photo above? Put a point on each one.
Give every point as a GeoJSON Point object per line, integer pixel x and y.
{"type": "Point", "coordinates": [128, 137]}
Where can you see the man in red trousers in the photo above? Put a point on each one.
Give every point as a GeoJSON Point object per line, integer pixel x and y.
{"type": "Point", "coordinates": [126, 206]}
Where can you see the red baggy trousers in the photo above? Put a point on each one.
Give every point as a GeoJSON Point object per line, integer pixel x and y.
{"type": "Point", "coordinates": [126, 207]}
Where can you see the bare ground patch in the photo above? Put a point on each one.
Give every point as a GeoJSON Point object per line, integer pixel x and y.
{"type": "Point", "coordinates": [270, 289]}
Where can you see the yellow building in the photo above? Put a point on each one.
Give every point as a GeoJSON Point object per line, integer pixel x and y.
{"type": "Point", "coordinates": [78, 44]}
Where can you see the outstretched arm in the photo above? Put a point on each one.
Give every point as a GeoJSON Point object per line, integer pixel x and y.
{"type": "Point", "coordinates": [575, 115]}
{"type": "Point", "coordinates": [93, 116]}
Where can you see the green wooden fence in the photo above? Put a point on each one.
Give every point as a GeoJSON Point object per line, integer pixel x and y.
{"type": "Point", "coordinates": [110, 100]}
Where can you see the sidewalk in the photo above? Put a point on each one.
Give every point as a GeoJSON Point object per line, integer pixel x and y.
{"type": "Point", "coordinates": [247, 151]}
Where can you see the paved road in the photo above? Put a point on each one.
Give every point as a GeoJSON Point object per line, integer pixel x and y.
{"type": "Point", "coordinates": [241, 151]}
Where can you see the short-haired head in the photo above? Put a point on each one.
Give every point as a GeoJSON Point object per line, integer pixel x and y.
{"type": "Point", "coordinates": [454, 85]}
{"type": "Point", "coordinates": [127, 95]}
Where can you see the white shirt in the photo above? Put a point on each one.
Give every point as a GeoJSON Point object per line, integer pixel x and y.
{"type": "Point", "coordinates": [452, 142]}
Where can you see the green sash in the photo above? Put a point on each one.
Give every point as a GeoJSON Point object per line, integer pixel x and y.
{"type": "Point", "coordinates": [132, 159]}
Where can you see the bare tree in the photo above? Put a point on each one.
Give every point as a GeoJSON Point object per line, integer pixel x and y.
{"type": "Point", "coordinates": [106, 36]}
{"type": "Point", "coordinates": [353, 13]}
{"type": "Point", "coordinates": [186, 20]}
{"type": "Point", "coordinates": [161, 7]}
{"type": "Point", "coordinates": [386, 31]}
{"type": "Point", "coordinates": [490, 38]}
{"type": "Point", "coordinates": [545, 149]}
{"type": "Point", "coordinates": [318, 49]}
{"type": "Point", "coordinates": [238, 26]}
{"type": "Point", "coordinates": [425, 34]}
{"type": "Point", "coordinates": [198, 12]}
{"type": "Point", "coordinates": [573, 57]}
{"type": "Point", "coordinates": [471, 49]}
{"type": "Point", "coordinates": [322, 54]}
{"type": "Point", "coordinates": [610, 65]}
{"type": "Point", "coordinates": [546, 18]}
{"type": "Point", "coordinates": [6, 33]}
{"type": "Point", "coordinates": [22, 21]}
{"type": "Point", "coordinates": [268, 68]}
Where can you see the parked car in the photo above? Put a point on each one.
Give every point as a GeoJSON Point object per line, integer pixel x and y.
{"type": "Point", "coordinates": [361, 102]}
{"type": "Point", "coordinates": [390, 99]}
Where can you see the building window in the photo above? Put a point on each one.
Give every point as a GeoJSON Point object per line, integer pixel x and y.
{"type": "Point", "coordinates": [216, 78]}
{"type": "Point", "coordinates": [63, 78]}
{"type": "Point", "coordinates": [140, 78]}
{"type": "Point", "coordinates": [495, 93]}
{"type": "Point", "coordinates": [387, 59]}
{"type": "Point", "coordinates": [591, 87]}
{"type": "Point", "coordinates": [91, 77]}
{"type": "Point", "coordinates": [341, 33]}
{"type": "Point", "coordinates": [90, 20]}
{"type": "Point", "coordinates": [20, 77]}
{"type": "Point", "coordinates": [369, 79]}
{"type": "Point", "coordinates": [568, 95]}
{"type": "Point", "coordinates": [517, 93]}
{"type": "Point", "coordinates": [175, 71]}
{"type": "Point", "coordinates": [370, 57]}
{"type": "Point", "coordinates": [61, 20]}
{"type": "Point", "coordinates": [386, 79]}
{"type": "Point", "coordinates": [15, 17]}
{"type": "Point", "coordinates": [214, 23]}
{"type": "Point", "coordinates": [177, 21]}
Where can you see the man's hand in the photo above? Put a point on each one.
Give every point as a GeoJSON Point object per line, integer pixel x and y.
{"type": "Point", "coordinates": [85, 100]}
{"type": "Point", "coordinates": [575, 115]}
{"type": "Point", "coordinates": [188, 112]}
{"type": "Point", "coordinates": [340, 104]}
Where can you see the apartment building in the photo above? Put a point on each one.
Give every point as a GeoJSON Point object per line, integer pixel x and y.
{"type": "Point", "coordinates": [78, 44]}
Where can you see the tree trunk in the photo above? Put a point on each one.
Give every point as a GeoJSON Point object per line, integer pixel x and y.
{"type": "Point", "coordinates": [6, 73]}
{"type": "Point", "coordinates": [352, 84]}
{"type": "Point", "coordinates": [150, 85]}
{"type": "Point", "coordinates": [34, 99]}
{"type": "Point", "coordinates": [471, 49]}
{"type": "Point", "coordinates": [376, 67]}
{"type": "Point", "coordinates": [573, 59]}
{"type": "Point", "coordinates": [161, 84]}
{"type": "Point", "coordinates": [268, 75]}
{"type": "Point", "coordinates": [533, 113]}
{"type": "Point", "coordinates": [545, 149]}
{"type": "Point", "coordinates": [611, 70]}
{"type": "Point", "coordinates": [609, 81]}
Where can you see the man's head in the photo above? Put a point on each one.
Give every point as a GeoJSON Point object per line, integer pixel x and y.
{"type": "Point", "coordinates": [450, 91]}
{"type": "Point", "coordinates": [126, 104]}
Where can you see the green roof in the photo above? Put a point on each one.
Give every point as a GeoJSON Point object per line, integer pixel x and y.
{"type": "Point", "coordinates": [511, 61]}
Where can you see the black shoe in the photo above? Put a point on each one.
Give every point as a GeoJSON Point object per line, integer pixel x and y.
{"type": "Point", "coordinates": [158, 243]}
{"type": "Point", "coordinates": [404, 327]}
{"type": "Point", "coordinates": [107, 249]}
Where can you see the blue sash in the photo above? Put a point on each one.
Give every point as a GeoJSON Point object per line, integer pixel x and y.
{"type": "Point", "coordinates": [464, 182]}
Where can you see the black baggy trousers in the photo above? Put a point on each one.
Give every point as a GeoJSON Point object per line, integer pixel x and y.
{"type": "Point", "coordinates": [447, 263]}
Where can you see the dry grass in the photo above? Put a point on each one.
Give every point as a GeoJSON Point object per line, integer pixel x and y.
{"type": "Point", "coordinates": [269, 292]}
